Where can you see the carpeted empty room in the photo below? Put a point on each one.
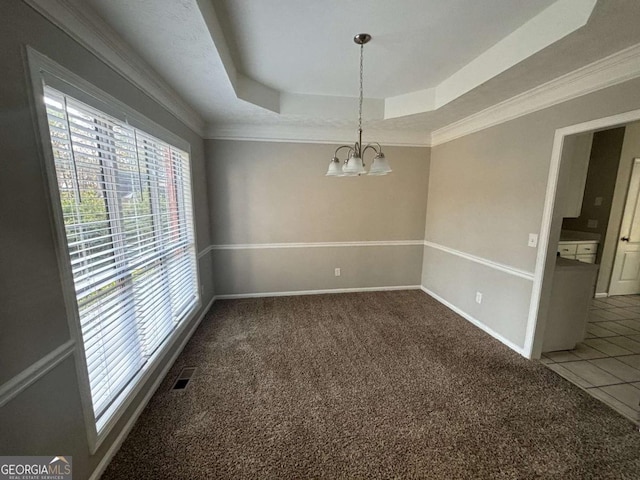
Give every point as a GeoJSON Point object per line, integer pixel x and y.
{"type": "Point", "coordinates": [367, 385]}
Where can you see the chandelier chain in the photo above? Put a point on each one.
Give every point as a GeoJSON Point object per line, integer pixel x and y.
{"type": "Point", "coordinates": [360, 105]}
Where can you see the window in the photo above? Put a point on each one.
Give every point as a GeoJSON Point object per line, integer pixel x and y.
{"type": "Point", "coordinates": [126, 204]}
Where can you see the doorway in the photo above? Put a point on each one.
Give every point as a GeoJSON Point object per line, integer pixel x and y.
{"type": "Point", "coordinates": [550, 231]}
{"type": "Point", "coordinates": [595, 360]}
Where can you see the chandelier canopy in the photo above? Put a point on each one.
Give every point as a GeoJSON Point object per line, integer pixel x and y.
{"type": "Point", "coordinates": [354, 163]}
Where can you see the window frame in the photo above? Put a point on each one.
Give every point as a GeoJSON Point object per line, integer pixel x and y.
{"type": "Point", "coordinates": [41, 70]}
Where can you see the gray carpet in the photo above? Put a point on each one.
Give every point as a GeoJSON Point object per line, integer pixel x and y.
{"type": "Point", "coordinates": [367, 385]}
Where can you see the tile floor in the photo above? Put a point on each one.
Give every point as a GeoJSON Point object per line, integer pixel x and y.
{"type": "Point", "coordinates": [607, 363]}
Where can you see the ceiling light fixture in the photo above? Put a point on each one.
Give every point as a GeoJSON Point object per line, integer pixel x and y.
{"type": "Point", "coordinates": [354, 164]}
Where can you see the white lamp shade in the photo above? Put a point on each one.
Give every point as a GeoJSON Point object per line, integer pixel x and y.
{"type": "Point", "coordinates": [380, 166]}
{"type": "Point", "coordinates": [335, 168]}
{"type": "Point", "coordinates": [353, 166]}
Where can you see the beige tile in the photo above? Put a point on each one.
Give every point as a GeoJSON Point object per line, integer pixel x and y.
{"type": "Point", "coordinates": [617, 327]}
{"type": "Point", "coordinates": [627, 343]}
{"type": "Point", "coordinates": [568, 375]}
{"type": "Point", "coordinates": [606, 314]}
{"type": "Point", "coordinates": [634, 337]}
{"type": "Point", "coordinates": [545, 360]}
{"type": "Point", "coordinates": [633, 360]}
{"type": "Point", "coordinates": [614, 301]}
{"type": "Point", "coordinates": [634, 308]}
{"type": "Point", "coordinates": [599, 304]}
{"type": "Point", "coordinates": [617, 368]}
{"type": "Point", "coordinates": [600, 330]}
{"type": "Point", "coordinates": [562, 356]}
{"type": "Point", "coordinates": [625, 393]}
{"type": "Point", "coordinates": [607, 347]}
{"type": "Point", "coordinates": [634, 324]}
{"type": "Point", "coordinates": [625, 300]}
{"type": "Point", "coordinates": [624, 312]}
{"type": "Point", "coordinates": [590, 335]}
{"type": "Point", "coordinates": [585, 352]}
{"type": "Point", "coordinates": [614, 403]}
{"type": "Point", "coordinates": [630, 299]}
{"type": "Point", "coordinates": [590, 373]}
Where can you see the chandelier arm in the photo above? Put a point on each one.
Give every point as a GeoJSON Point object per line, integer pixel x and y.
{"type": "Point", "coordinates": [372, 147]}
{"type": "Point", "coordinates": [340, 148]}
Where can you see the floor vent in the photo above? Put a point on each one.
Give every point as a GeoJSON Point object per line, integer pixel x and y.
{"type": "Point", "coordinates": [183, 379]}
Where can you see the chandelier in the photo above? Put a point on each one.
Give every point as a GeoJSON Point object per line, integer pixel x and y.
{"type": "Point", "coordinates": [354, 164]}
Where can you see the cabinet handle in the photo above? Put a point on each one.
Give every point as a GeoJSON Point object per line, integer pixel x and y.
{"type": "Point", "coordinates": [625, 239]}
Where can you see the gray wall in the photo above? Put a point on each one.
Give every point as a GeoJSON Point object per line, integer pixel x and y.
{"type": "Point", "coordinates": [46, 417]}
{"type": "Point", "coordinates": [273, 192]}
{"type": "Point", "coordinates": [601, 182]}
{"type": "Point", "coordinates": [486, 194]}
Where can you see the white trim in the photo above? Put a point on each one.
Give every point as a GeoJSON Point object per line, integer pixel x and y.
{"type": "Point", "coordinates": [319, 135]}
{"type": "Point", "coordinates": [475, 321]}
{"type": "Point", "coordinates": [90, 31]}
{"type": "Point", "coordinates": [295, 293]}
{"type": "Point", "coordinates": [601, 295]}
{"type": "Point", "coordinates": [482, 261]}
{"type": "Point", "coordinates": [547, 214]}
{"type": "Point", "coordinates": [117, 443]}
{"type": "Point", "coordinates": [612, 70]}
{"type": "Point", "coordinates": [261, 246]}
{"type": "Point", "coordinates": [40, 66]}
{"type": "Point", "coordinates": [35, 371]}
{"type": "Point", "coordinates": [69, 83]}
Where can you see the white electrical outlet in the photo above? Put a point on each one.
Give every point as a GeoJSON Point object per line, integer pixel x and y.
{"type": "Point", "coordinates": [592, 223]}
{"type": "Point", "coordinates": [598, 201]}
{"type": "Point", "coordinates": [337, 272]}
{"type": "Point", "coordinates": [533, 240]}
{"type": "Point", "coordinates": [478, 297]}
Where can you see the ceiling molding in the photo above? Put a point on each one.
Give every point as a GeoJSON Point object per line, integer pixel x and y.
{"type": "Point", "coordinates": [323, 135]}
{"type": "Point", "coordinates": [612, 70]}
{"type": "Point", "coordinates": [552, 24]}
{"type": "Point", "coordinates": [81, 23]}
{"type": "Point", "coordinates": [244, 88]}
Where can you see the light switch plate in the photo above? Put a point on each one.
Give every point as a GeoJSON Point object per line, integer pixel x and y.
{"type": "Point", "coordinates": [598, 201]}
{"type": "Point", "coordinates": [533, 240]}
{"type": "Point", "coordinates": [591, 223]}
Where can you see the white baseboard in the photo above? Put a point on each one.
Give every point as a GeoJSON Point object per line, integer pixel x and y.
{"type": "Point", "coordinates": [316, 292]}
{"type": "Point", "coordinates": [601, 295]}
{"type": "Point", "coordinates": [115, 446]}
{"type": "Point", "coordinates": [477, 323]}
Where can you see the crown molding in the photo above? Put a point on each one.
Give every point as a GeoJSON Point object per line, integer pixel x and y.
{"type": "Point", "coordinates": [612, 70]}
{"type": "Point", "coordinates": [80, 22]}
{"type": "Point", "coordinates": [308, 134]}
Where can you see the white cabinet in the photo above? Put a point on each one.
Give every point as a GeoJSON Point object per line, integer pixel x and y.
{"type": "Point", "coordinates": [582, 250]}
{"type": "Point", "coordinates": [576, 152]}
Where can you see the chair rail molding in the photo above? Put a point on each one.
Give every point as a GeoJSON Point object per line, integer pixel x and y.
{"type": "Point", "coordinates": [482, 261]}
{"type": "Point", "coordinates": [34, 372]}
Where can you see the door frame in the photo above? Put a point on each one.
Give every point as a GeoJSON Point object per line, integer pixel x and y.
{"type": "Point", "coordinates": [545, 259]}
{"type": "Point", "coordinates": [614, 264]}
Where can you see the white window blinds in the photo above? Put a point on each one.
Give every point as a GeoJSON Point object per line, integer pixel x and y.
{"type": "Point", "coordinates": [126, 203]}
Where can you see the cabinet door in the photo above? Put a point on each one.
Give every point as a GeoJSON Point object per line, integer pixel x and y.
{"type": "Point", "coordinates": [567, 250]}
{"type": "Point", "coordinates": [576, 152]}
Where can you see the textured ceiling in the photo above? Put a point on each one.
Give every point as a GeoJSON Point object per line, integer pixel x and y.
{"type": "Point", "coordinates": [305, 46]}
